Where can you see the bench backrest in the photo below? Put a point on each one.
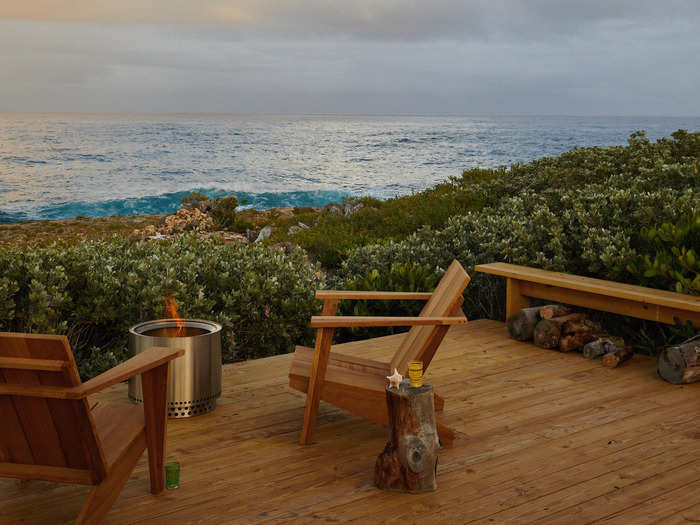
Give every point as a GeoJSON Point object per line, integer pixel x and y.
{"type": "Point", "coordinates": [45, 438]}
{"type": "Point", "coordinates": [421, 342]}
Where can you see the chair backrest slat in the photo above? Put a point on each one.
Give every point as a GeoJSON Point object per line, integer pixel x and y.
{"type": "Point", "coordinates": [420, 342]}
{"type": "Point", "coordinates": [38, 431]}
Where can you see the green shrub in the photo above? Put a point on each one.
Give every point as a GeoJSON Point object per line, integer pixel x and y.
{"type": "Point", "coordinates": [193, 198]}
{"type": "Point", "coordinates": [580, 213]}
{"type": "Point", "coordinates": [669, 259]}
{"type": "Point", "coordinates": [398, 278]}
{"type": "Point", "coordinates": [94, 292]}
{"type": "Point", "coordinates": [224, 213]}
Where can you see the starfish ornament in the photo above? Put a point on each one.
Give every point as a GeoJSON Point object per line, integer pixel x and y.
{"type": "Point", "coordinates": [395, 379]}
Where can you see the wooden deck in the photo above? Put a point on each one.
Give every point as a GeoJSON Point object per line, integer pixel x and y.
{"type": "Point", "coordinates": [542, 437]}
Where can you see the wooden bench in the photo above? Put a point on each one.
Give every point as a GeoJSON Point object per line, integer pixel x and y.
{"type": "Point", "coordinates": [524, 283]}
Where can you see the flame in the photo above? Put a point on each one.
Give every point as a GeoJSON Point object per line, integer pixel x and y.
{"type": "Point", "coordinates": [171, 312]}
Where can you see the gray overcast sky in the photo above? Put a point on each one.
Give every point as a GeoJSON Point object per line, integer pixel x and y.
{"type": "Point", "coordinates": [598, 57]}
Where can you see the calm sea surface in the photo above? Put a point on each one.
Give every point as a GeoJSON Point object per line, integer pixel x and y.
{"type": "Point", "coordinates": [61, 165]}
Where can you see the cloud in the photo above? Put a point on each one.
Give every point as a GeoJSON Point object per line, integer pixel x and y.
{"type": "Point", "coordinates": [365, 19]}
{"type": "Point", "coordinates": [497, 57]}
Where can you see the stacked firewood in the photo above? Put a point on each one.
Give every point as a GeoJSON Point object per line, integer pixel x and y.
{"type": "Point", "coordinates": [680, 364]}
{"type": "Point", "coordinates": [558, 327]}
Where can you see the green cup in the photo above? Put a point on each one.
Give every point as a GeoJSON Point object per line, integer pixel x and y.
{"type": "Point", "coordinates": [172, 475]}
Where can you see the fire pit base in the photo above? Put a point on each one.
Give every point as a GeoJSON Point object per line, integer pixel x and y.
{"type": "Point", "coordinates": [187, 408]}
{"type": "Point", "coordinates": [195, 378]}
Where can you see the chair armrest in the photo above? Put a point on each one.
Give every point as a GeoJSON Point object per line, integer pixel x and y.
{"type": "Point", "coordinates": [143, 362]}
{"type": "Point", "coordinates": [334, 321]}
{"type": "Point", "coordinates": [362, 295]}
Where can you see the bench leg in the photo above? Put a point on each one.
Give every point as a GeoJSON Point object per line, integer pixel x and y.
{"type": "Point", "coordinates": [515, 300]}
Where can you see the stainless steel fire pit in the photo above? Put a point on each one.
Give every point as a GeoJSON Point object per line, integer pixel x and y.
{"type": "Point", "coordinates": [195, 378]}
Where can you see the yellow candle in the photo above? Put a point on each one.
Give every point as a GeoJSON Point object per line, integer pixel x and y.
{"type": "Point", "coordinates": [415, 373]}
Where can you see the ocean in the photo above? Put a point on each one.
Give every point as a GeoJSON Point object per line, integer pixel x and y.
{"type": "Point", "coordinates": [55, 166]}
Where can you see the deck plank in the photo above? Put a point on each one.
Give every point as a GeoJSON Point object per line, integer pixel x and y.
{"type": "Point", "coordinates": [541, 437]}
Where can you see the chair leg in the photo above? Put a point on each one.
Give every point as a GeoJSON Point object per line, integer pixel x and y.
{"type": "Point", "coordinates": [322, 350]}
{"type": "Point", "coordinates": [103, 496]}
{"type": "Point", "coordinates": [155, 400]}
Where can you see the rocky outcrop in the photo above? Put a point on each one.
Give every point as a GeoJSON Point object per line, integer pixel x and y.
{"type": "Point", "coordinates": [185, 219]}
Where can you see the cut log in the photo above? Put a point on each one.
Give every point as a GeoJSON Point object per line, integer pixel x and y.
{"type": "Point", "coordinates": [680, 364]}
{"type": "Point", "coordinates": [409, 461]}
{"type": "Point", "coordinates": [582, 326]}
{"type": "Point", "coordinates": [619, 356]}
{"type": "Point", "coordinates": [521, 325]}
{"type": "Point", "coordinates": [602, 346]}
{"type": "Point", "coordinates": [548, 331]}
{"type": "Point", "coordinates": [554, 310]}
{"type": "Point", "coordinates": [576, 341]}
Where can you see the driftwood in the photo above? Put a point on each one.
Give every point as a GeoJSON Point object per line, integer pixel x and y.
{"type": "Point", "coordinates": [409, 461]}
{"type": "Point", "coordinates": [602, 345]}
{"type": "Point", "coordinates": [548, 332]}
{"type": "Point", "coordinates": [619, 356]}
{"type": "Point", "coordinates": [521, 325]}
{"type": "Point", "coordinates": [680, 364]}
{"type": "Point", "coordinates": [554, 310]}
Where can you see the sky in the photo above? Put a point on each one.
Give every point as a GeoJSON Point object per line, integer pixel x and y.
{"type": "Point", "coordinates": [432, 57]}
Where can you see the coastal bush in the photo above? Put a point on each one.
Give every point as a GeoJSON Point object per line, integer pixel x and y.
{"type": "Point", "coordinates": [605, 177]}
{"type": "Point", "coordinates": [583, 212]}
{"type": "Point", "coordinates": [398, 278]}
{"type": "Point", "coordinates": [669, 258]}
{"type": "Point", "coordinates": [224, 213]}
{"type": "Point", "coordinates": [193, 198]}
{"type": "Point", "coordinates": [93, 292]}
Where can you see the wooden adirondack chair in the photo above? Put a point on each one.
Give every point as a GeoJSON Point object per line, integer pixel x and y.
{"type": "Point", "coordinates": [49, 431]}
{"type": "Point", "coordinates": [357, 384]}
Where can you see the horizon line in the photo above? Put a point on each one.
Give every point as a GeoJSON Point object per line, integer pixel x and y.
{"type": "Point", "coordinates": [339, 114]}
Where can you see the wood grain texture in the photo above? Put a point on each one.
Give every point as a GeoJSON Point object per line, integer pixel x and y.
{"type": "Point", "coordinates": [541, 437]}
{"type": "Point", "coordinates": [355, 388]}
{"type": "Point", "coordinates": [370, 295]}
{"type": "Point", "coordinates": [155, 410]}
{"type": "Point", "coordinates": [57, 438]}
{"type": "Point", "coordinates": [338, 321]}
{"type": "Point", "coordinates": [624, 299]}
{"type": "Point", "coordinates": [516, 300]}
{"type": "Point", "coordinates": [322, 348]}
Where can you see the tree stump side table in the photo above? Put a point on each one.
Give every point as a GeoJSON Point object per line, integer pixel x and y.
{"type": "Point", "coordinates": [409, 461]}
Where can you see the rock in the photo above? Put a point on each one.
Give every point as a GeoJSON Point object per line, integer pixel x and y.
{"type": "Point", "coordinates": [251, 235]}
{"type": "Point", "coordinates": [232, 238]}
{"type": "Point", "coordinates": [186, 218]}
{"type": "Point", "coordinates": [264, 233]}
{"type": "Point", "coordinates": [297, 228]}
{"type": "Point", "coordinates": [335, 210]}
{"type": "Point", "coordinates": [350, 208]}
